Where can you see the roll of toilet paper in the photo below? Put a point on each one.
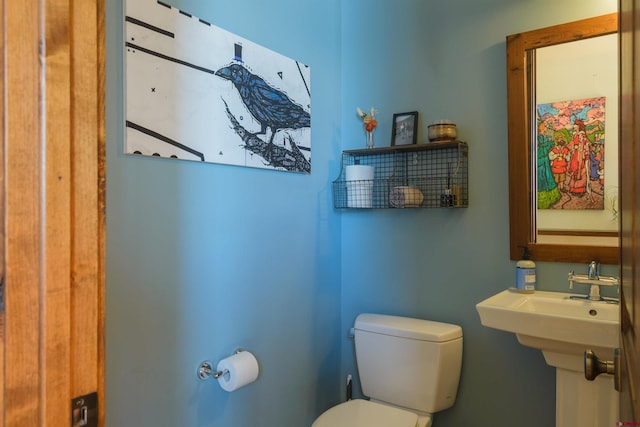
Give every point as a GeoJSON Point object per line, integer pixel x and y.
{"type": "Point", "coordinates": [359, 194]}
{"type": "Point", "coordinates": [405, 197]}
{"type": "Point", "coordinates": [238, 371]}
{"type": "Point", "coordinates": [359, 182]}
{"type": "Point", "coordinates": [359, 173]}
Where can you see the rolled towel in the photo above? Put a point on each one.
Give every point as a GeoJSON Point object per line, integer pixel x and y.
{"type": "Point", "coordinates": [405, 197]}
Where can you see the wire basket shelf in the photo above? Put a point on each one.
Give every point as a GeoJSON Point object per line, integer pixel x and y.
{"type": "Point", "coordinates": [417, 176]}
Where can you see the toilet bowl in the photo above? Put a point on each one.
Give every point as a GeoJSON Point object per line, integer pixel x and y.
{"type": "Point", "coordinates": [409, 368]}
{"type": "Point", "coordinates": [364, 413]}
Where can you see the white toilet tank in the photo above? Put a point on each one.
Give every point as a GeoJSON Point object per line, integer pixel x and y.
{"type": "Point", "coordinates": [407, 362]}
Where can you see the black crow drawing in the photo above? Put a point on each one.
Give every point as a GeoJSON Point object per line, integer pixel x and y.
{"type": "Point", "coordinates": [274, 155]}
{"type": "Point", "coordinates": [271, 107]}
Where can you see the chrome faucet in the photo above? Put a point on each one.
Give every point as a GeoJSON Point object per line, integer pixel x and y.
{"type": "Point", "coordinates": [593, 272]}
{"type": "Point", "coordinates": [595, 280]}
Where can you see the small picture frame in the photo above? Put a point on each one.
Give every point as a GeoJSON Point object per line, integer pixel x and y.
{"type": "Point", "coordinates": [405, 128]}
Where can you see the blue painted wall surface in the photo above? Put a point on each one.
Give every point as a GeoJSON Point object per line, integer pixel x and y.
{"type": "Point", "coordinates": [448, 61]}
{"type": "Point", "coordinates": [202, 259]}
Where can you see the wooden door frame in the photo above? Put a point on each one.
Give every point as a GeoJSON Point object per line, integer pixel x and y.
{"type": "Point", "coordinates": [53, 224]}
{"type": "Point", "coordinates": [629, 208]}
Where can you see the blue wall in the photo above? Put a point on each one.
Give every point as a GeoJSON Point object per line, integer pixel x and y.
{"type": "Point", "coordinates": [448, 61]}
{"type": "Point", "coordinates": [202, 259]}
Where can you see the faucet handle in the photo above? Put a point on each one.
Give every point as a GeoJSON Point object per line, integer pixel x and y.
{"type": "Point", "coordinates": [571, 279]}
{"type": "Point", "coordinates": [593, 271]}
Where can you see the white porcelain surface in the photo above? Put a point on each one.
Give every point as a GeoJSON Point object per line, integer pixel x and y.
{"type": "Point", "coordinates": [563, 329]}
{"type": "Point", "coordinates": [410, 363]}
{"type": "Point", "coordinates": [363, 413]}
{"type": "Point", "coordinates": [552, 322]}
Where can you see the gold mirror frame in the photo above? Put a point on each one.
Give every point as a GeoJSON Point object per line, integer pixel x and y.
{"type": "Point", "coordinates": [522, 204]}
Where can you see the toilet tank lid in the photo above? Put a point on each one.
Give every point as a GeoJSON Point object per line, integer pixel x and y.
{"type": "Point", "coordinates": [405, 327]}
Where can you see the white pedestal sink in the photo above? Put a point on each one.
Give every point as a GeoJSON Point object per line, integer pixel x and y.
{"type": "Point", "coordinates": [563, 329]}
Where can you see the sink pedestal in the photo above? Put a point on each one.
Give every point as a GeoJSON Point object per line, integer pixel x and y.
{"type": "Point", "coordinates": [563, 329]}
{"type": "Point", "coordinates": [582, 403]}
{"type": "Point", "coordinates": [579, 402]}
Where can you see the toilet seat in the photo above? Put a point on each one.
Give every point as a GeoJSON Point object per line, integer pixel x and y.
{"type": "Point", "coordinates": [363, 413]}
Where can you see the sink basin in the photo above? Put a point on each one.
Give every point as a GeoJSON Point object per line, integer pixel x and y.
{"type": "Point", "coordinates": [563, 329]}
{"type": "Point", "coordinates": [552, 322]}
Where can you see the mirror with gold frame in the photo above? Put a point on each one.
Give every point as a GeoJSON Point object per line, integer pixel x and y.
{"type": "Point", "coordinates": [525, 126]}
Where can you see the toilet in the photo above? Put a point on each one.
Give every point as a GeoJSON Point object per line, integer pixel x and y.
{"type": "Point", "coordinates": [409, 369]}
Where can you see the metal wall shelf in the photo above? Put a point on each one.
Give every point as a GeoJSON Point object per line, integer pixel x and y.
{"type": "Point", "coordinates": [438, 170]}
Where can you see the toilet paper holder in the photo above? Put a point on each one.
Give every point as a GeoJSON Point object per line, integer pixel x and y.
{"type": "Point", "coordinates": [205, 370]}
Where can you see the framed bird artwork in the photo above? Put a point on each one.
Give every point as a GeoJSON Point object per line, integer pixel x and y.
{"type": "Point", "coordinates": [194, 91]}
